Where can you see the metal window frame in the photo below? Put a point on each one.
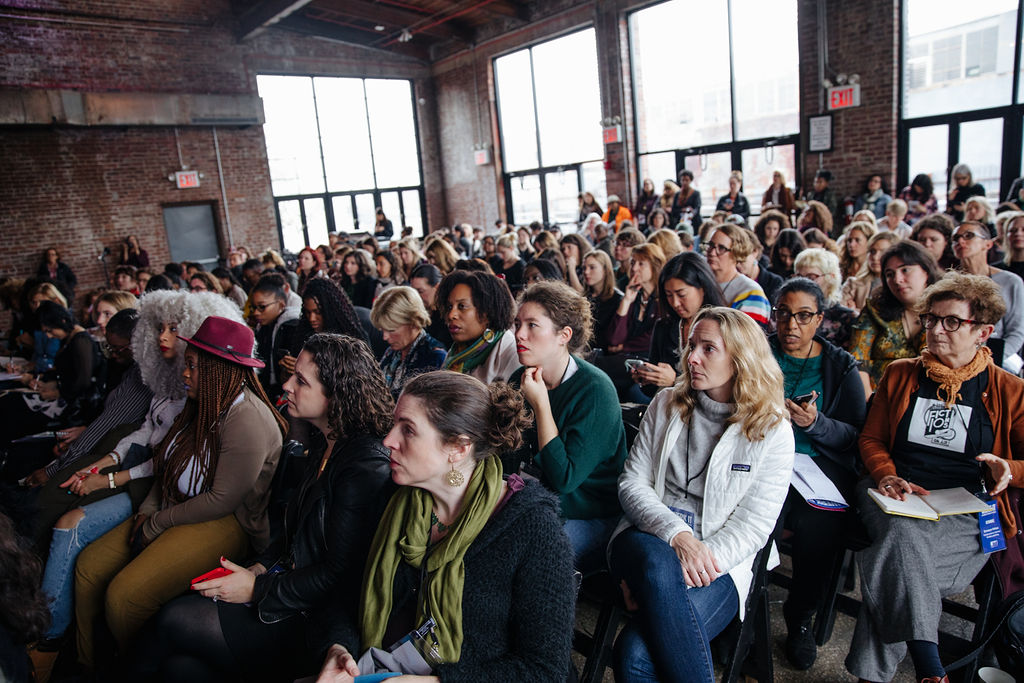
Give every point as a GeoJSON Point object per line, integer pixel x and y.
{"type": "Point", "coordinates": [328, 197]}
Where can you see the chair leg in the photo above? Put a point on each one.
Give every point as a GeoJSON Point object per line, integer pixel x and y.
{"type": "Point", "coordinates": [601, 647]}
{"type": "Point", "coordinates": [826, 617]}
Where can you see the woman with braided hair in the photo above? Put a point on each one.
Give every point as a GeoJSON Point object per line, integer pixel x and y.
{"type": "Point", "coordinates": [325, 308]}
{"type": "Point", "coordinates": [209, 497]}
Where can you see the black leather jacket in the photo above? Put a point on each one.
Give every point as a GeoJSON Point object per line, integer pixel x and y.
{"type": "Point", "coordinates": [328, 526]}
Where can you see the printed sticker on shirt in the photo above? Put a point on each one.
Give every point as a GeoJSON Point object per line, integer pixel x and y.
{"type": "Point", "coordinates": [685, 515]}
{"type": "Point", "coordinates": [740, 468]}
{"type": "Point", "coordinates": [933, 424]}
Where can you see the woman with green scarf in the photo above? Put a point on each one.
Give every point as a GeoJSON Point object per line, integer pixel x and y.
{"type": "Point", "coordinates": [480, 556]}
{"type": "Point", "coordinates": [478, 309]}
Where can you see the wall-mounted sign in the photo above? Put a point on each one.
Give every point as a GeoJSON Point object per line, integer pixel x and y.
{"type": "Point", "coordinates": [186, 179]}
{"type": "Point", "coordinates": [843, 96]}
{"type": "Point", "coordinates": [482, 157]}
{"type": "Point", "coordinates": [819, 134]}
{"type": "Point", "coordinates": [611, 134]}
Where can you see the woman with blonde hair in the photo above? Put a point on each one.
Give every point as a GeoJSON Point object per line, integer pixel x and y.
{"type": "Point", "coordinates": [856, 290]}
{"type": "Point", "coordinates": [410, 255]}
{"type": "Point", "coordinates": [441, 254]}
{"type": "Point", "coordinates": [601, 292]}
{"type": "Point", "coordinates": [544, 241]}
{"type": "Point", "coordinates": [855, 248]}
{"type": "Point", "coordinates": [508, 263]}
{"type": "Point", "coordinates": [107, 305]}
{"type": "Point", "coordinates": [778, 196]}
{"type": "Point", "coordinates": [699, 503]}
{"type": "Point", "coordinates": [402, 319]}
{"type": "Point", "coordinates": [668, 240]}
{"type": "Point", "coordinates": [821, 267]}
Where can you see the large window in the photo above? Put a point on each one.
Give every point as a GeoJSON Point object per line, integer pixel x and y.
{"type": "Point", "coordinates": [961, 100]}
{"type": "Point", "coordinates": [716, 96]}
{"type": "Point", "coordinates": [549, 114]}
{"type": "Point", "coordinates": [339, 148]}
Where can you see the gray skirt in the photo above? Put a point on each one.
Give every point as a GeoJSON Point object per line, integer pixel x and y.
{"type": "Point", "coordinates": [909, 567]}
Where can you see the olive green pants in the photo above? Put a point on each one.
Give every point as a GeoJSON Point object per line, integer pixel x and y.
{"type": "Point", "coordinates": [130, 591]}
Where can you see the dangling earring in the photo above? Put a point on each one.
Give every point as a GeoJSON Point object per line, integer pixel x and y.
{"type": "Point", "coordinates": [454, 478]}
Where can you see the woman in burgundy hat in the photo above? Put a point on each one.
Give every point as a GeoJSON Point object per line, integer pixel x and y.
{"type": "Point", "coordinates": [209, 495]}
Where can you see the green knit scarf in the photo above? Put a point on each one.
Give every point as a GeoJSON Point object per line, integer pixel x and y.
{"type": "Point", "coordinates": [403, 535]}
{"type": "Point", "coordinates": [464, 359]}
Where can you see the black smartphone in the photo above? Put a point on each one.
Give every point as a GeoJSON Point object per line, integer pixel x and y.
{"type": "Point", "coordinates": [804, 398]}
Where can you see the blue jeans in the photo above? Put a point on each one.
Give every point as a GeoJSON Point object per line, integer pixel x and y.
{"type": "Point", "coordinates": [589, 540]}
{"type": "Point", "coordinates": [58, 578]}
{"type": "Point", "coordinates": [668, 640]}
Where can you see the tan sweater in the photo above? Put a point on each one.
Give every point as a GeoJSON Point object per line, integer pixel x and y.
{"type": "Point", "coordinates": [250, 445]}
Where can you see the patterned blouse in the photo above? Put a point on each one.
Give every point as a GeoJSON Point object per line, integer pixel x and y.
{"type": "Point", "coordinates": [425, 354]}
{"type": "Point", "coordinates": [876, 342]}
{"type": "Point", "coordinates": [837, 324]}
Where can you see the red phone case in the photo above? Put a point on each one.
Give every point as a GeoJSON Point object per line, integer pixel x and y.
{"type": "Point", "coordinates": [212, 574]}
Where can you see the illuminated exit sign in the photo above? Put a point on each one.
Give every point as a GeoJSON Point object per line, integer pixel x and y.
{"type": "Point", "coordinates": [611, 134]}
{"type": "Point", "coordinates": [844, 96]}
{"type": "Point", "coordinates": [186, 179]}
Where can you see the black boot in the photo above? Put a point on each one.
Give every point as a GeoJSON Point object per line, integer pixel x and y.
{"type": "Point", "coordinates": [801, 650]}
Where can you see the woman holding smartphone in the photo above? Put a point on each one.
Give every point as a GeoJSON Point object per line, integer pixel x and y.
{"type": "Point", "coordinates": [264, 621]}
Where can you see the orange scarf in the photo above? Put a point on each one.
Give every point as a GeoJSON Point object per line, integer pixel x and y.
{"type": "Point", "coordinates": [950, 379]}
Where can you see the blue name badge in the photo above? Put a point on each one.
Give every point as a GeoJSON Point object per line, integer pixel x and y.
{"type": "Point", "coordinates": [741, 468]}
{"type": "Point", "coordinates": [684, 515]}
{"type": "Point", "coordinates": [992, 538]}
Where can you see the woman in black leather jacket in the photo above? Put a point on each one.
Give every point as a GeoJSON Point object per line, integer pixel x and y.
{"type": "Point", "coordinates": [263, 622]}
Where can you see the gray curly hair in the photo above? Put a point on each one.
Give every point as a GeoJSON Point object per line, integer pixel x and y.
{"type": "Point", "coordinates": [188, 310]}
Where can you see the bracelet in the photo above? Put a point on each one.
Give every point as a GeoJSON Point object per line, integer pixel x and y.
{"type": "Point", "coordinates": [116, 458]}
{"type": "Point", "coordinates": [110, 480]}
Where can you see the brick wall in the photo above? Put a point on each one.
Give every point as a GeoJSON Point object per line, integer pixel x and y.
{"type": "Point", "coordinates": [864, 43]}
{"type": "Point", "coordinates": [83, 188]}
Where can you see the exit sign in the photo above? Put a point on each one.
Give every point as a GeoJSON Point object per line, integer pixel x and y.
{"type": "Point", "coordinates": [611, 134]}
{"type": "Point", "coordinates": [844, 96]}
{"type": "Point", "coordinates": [186, 179]}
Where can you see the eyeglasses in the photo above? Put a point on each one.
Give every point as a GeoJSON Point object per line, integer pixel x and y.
{"type": "Point", "coordinates": [966, 236]}
{"type": "Point", "coordinates": [950, 323]}
{"type": "Point", "coordinates": [716, 248]}
{"type": "Point", "coordinates": [781, 315]}
{"type": "Point", "coordinates": [259, 308]}
{"type": "Point", "coordinates": [115, 350]}
{"type": "Point", "coordinates": [811, 276]}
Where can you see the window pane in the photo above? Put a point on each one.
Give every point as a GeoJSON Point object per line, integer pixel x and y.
{"type": "Point", "coordinates": [515, 109]}
{"type": "Point", "coordinates": [343, 219]}
{"type": "Point", "coordinates": [316, 221]}
{"type": "Point", "coordinates": [711, 177]}
{"type": "Point", "coordinates": [767, 97]}
{"type": "Point", "coordinates": [659, 168]}
{"type": "Point", "coordinates": [981, 148]}
{"type": "Point", "coordinates": [568, 107]}
{"type": "Point", "coordinates": [366, 212]}
{"type": "Point", "coordinates": [683, 101]}
{"type": "Point", "coordinates": [959, 56]}
{"type": "Point", "coordinates": [393, 132]}
{"type": "Point", "coordinates": [759, 166]}
{"type": "Point", "coordinates": [593, 181]}
{"type": "Point", "coordinates": [563, 188]}
{"type": "Point", "coordinates": [293, 151]}
{"type": "Point", "coordinates": [343, 133]}
{"type": "Point", "coordinates": [929, 153]}
{"type": "Point", "coordinates": [413, 217]}
{"type": "Point", "coordinates": [291, 226]}
{"type": "Point", "coordinates": [526, 206]}
{"type": "Point", "coordinates": [392, 210]}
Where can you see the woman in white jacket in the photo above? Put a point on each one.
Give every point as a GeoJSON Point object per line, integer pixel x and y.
{"type": "Point", "coordinates": [702, 490]}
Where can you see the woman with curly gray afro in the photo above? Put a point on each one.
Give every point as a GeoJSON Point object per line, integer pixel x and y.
{"type": "Point", "coordinates": [163, 317]}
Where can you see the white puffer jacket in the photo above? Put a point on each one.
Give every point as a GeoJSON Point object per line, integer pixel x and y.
{"type": "Point", "coordinates": [744, 490]}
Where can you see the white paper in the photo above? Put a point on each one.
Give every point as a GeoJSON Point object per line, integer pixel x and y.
{"type": "Point", "coordinates": [8, 376]}
{"type": "Point", "coordinates": [816, 488]}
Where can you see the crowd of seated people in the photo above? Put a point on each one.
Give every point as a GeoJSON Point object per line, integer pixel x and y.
{"type": "Point", "coordinates": [393, 440]}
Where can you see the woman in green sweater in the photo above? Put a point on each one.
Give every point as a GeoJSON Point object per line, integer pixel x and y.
{"type": "Point", "coordinates": [577, 446]}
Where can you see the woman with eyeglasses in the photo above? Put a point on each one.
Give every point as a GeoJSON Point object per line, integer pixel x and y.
{"type": "Point", "coordinates": [888, 327]}
{"type": "Point", "coordinates": [971, 244]}
{"type": "Point", "coordinates": [948, 419]}
{"type": "Point", "coordinates": [822, 267]}
{"type": "Point", "coordinates": [826, 404]}
{"type": "Point", "coordinates": [726, 246]}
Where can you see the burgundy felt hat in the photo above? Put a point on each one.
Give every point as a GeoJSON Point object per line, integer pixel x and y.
{"type": "Point", "coordinates": [227, 339]}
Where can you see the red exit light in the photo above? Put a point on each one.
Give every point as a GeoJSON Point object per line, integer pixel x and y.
{"type": "Point", "coordinates": [186, 179]}
{"type": "Point", "coordinates": [844, 96]}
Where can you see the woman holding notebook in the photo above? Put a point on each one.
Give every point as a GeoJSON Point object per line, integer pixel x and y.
{"type": "Point", "coordinates": [946, 420]}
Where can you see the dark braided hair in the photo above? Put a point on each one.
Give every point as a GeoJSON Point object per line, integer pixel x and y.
{"type": "Point", "coordinates": [197, 426]}
{"type": "Point", "coordinates": [336, 310]}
